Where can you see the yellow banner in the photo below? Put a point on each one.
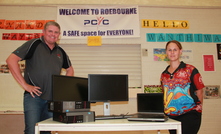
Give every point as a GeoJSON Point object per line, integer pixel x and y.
{"type": "Point", "coordinates": [171, 24]}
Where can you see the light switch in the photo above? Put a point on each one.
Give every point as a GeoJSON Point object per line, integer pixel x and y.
{"type": "Point", "coordinates": [145, 52]}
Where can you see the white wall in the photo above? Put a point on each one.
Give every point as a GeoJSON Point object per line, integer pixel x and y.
{"type": "Point", "coordinates": [205, 21]}
{"type": "Point", "coordinates": [212, 3]}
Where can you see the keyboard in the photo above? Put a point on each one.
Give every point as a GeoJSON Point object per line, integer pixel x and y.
{"type": "Point", "coordinates": [143, 115]}
{"type": "Point", "coordinates": [106, 117]}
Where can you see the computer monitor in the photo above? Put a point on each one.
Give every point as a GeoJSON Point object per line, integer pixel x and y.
{"type": "Point", "coordinates": [106, 88]}
{"type": "Point", "coordinates": [150, 102]}
{"type": "Point", "coordinates": [69, 88]}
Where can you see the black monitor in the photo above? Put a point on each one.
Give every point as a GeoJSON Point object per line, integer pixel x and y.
{"type": "Point", "coordinates": [107, 88]}
{"type": "Point", "coordinates": [150, 102]}
{"type": "Point", "coordinates": [69, 88]}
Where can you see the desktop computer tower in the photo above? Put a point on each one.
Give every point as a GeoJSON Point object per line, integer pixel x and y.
{"type": "Point", "coordinates": [68, 106]}
{"type": "Point", "coordinates": [74, 117]}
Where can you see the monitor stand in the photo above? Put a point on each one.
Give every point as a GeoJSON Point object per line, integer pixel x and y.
{"type": "Point", "coordinates": [106, 108]}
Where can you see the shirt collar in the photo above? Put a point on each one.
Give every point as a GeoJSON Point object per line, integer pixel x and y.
{"type": "Point", "coordinates": [182, 65]}
{"type": "Point", "coordinates": [42, 39]}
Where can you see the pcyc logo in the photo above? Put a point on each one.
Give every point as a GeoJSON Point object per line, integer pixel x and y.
{"type": "Point", "coordinates": [98, 21]}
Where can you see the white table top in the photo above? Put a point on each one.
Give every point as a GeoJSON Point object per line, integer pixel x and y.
{"type": "Point", "coordinates": [107, 125]}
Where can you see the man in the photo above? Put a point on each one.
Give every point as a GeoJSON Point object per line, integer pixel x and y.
{"type": "Point", "coordinates": [43, 58]}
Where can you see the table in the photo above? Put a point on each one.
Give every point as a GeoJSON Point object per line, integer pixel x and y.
{"type": "Point", "coordinates": [107, 125]}
{"type": "Point", "coordinates": [12, 122]}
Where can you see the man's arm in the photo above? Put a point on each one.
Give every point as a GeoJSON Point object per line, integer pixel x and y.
{"type": "Point", "coordinates": [14, 68]}
{"type": "Point", "coordinates": [70, 71]}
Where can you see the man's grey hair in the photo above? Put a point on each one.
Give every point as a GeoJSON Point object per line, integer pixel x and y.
{"type": "Point", "coordinates": [52, 23]}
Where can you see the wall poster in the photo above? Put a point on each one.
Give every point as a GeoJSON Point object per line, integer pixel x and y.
{"type": "Point", "coordinates": [218, 46]}
{"type": "Point", "coordinates": [212, 92]}
{"type": "Point", "coordinates": [208, 63]}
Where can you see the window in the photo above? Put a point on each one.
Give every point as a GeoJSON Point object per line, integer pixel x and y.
{"type": "Point", "coordinates": [106, 59]}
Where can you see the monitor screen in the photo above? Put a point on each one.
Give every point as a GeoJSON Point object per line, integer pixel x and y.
{"type": "Point", "coordinates": [150, 102]}
{"type": "Point", "coordinates": [107, 87]}
{"type": "Point", "coordinates": [69, 88]}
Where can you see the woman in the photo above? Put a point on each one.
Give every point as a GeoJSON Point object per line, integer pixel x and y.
{"type": "Point", "coordinates": [183, 90]}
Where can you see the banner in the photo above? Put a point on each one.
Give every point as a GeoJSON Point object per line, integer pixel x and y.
{"type": "Point", "coordinates": [183, 37]}
{"type": "Point", "coordinates": [105, 21]}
